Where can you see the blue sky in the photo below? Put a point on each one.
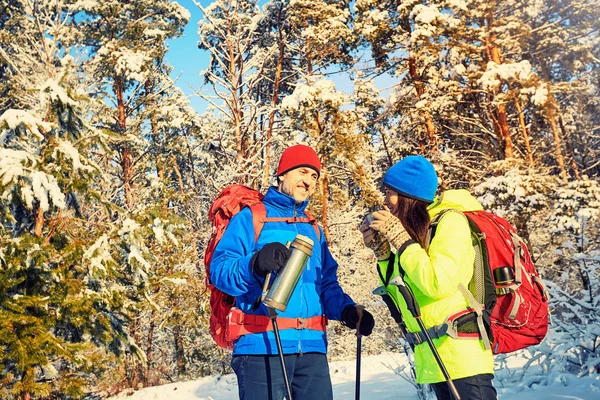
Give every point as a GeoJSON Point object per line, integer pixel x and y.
{"type": "Point", "coordinates": [187, 60]}
{"type": "Point", "coordinates": [185, 57]}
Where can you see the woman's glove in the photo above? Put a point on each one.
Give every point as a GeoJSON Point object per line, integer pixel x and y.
{"type": "Point", "coordinates": [375, 241]}
{"type": "Point", "coordinates": [390, 226]}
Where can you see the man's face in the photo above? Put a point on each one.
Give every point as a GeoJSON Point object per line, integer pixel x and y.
{"type": "Point", "coordinates": [300, 183]}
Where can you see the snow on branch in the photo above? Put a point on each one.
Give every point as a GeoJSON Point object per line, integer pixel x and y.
{"type": "Point", "coordinates": [496, 73]}
{"type": "Point", "coordinates": [19, 119]}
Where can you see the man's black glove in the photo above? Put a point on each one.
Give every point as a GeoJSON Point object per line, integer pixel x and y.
{"type": "Point", "coordinates": [270, 258]}
{"type": "Point", "coordinates": [350, 319]}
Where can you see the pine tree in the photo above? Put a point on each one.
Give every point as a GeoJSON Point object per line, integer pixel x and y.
{"type": "Point", "coordinates": [58, 319]}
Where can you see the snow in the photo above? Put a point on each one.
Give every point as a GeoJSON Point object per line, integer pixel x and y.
{"type": "Point", "coordinates": [183, 13]}
{"type": "Point", "coordinates": [321, 91]}
{"type": "Point", "coordinates": [52, 91]}
{"type": "Point", "coordinates": [506, 72]}
{"type": "Point", "coordinates": [129, 226]}
{"type": "Point", "coordinates": [14, 118]}
{"type": "Point", "coordinates": [11, 164]}
{"type": "Point", "coordinates": [45, 188]}
{"type": "Point", "coordinates": [72, 153]}
{"type": "Point", "coordinates": [126, 61]}
{"type": "Point", "coordinates": [98, 254]}
{"type": "Point", "coordinates": [379, 380]}
{"type": "Point", "coordinates": [540, 97]}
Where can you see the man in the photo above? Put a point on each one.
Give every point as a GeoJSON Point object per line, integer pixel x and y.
{"type": "Point", "coordinates": [239, 267]}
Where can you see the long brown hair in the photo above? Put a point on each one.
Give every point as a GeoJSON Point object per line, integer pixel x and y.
{"type": "Point", "coordinates": [415, 218]}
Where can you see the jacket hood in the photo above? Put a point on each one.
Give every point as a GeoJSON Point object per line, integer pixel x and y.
{"type": "Point", "coordinates": [459, 199]}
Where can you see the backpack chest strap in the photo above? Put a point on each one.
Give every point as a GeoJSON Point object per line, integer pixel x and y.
{"type": "Point", "coordinates": [259, 218]}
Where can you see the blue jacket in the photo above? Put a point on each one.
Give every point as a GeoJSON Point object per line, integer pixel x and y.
{"type": "Point", "coordinates": [318, 291]}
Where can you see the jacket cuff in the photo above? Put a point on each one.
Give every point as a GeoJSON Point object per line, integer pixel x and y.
{"type": "Point", "coordinates": [403, 246]}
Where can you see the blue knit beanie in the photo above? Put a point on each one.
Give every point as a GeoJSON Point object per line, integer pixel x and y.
{"type": "Point", "coordinates": [414, 177]}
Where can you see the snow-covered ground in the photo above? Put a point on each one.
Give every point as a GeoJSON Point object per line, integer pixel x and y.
{"type": "Point", "coordinates": [379, 380]}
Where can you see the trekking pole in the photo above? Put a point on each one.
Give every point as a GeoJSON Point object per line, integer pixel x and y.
{"type": "Point", "coordinates": [422, 389]}
{"type": "Point", "coordinates": [273, 317]}
{"type": "Point", "coordinates": [413, 307]}
{"type": "Point", "coordinates": [358, 353]}
{"type": "Point", "coordinates": [359, 309]}
{"type": "Point", "coordinates": [282, 288]}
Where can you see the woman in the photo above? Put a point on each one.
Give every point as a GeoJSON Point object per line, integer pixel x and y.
{"type": "Point", "coordinates": [433, 271]}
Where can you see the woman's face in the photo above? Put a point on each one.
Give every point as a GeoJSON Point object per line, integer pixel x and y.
{"type": "Point", "coordinates": [391, 201]}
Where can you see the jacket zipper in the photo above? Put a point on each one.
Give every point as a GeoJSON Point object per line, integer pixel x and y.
{"type": "Point", "coordinates": [301, 294]}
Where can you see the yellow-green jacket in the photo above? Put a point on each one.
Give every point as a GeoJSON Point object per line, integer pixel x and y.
{"type": "Point", "coordinates": [434, 276]}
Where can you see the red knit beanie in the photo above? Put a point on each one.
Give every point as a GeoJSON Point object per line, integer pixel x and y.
{"type": "Point", "coordinates": [298, 156]}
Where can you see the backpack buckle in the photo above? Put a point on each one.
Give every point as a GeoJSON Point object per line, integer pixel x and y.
{"type": "Point", "coordinates": [300, 323]}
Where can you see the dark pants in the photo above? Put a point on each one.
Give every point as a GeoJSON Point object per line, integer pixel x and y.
{"type": "Point", "coordinates": [261, 378]}
{"type": "Point", "coordinates": [478, 387]}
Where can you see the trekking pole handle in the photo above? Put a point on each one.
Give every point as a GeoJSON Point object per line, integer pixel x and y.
{"type": "Point", "coordinates": [265, 289]}
{"type": "Point", "coordinates": [411, 303]}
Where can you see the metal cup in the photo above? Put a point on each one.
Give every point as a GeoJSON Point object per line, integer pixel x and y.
{"type": "Point", "coordinates": [504, 276]}
{"type": "Point", "coordinates": [287, 278]}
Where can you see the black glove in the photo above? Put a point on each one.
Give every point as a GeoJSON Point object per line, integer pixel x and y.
{"type": "Point", "coordinates": [270, 258]}
{"type": "Point", "coordinates": [350, 319]}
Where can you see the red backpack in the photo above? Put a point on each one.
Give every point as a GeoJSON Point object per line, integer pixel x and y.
{"type": "Point", "coordinates": [505, 286]}
{"type": "Point", "coordinates": [228, 203]}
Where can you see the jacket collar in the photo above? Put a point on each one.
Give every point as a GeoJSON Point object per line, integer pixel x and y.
{"type": "Point", "coordinates": [283, 201]}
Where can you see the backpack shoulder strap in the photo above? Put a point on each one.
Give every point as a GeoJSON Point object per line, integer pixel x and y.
{"type": "Point", "coordinates": [259, 216]}
{"type": "Point", "coordinates": [313, 221]}
{"type": "Point", "coordinates": [435, 221]}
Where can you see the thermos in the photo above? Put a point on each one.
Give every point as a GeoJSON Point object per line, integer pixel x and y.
{"type": "Point", "coordinates": [287, 278]}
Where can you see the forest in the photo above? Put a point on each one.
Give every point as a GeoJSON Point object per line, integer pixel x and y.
{"type": "Point", "coordinates": [107, 173]}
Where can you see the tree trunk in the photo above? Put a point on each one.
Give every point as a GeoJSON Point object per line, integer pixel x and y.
{"type": "Point", "coordinates": [499, 116]}
{"type": "Point", "coordinates": [133, 375]}
{"type": "Point", "coordinates": [235, 80]}
{"type": "Point", "coordinates": [557, 142]}
{"type": "Point", "coordinates": [524, 131]}
{"type": "Point", "coordinates": [569, 148]}
{"type": "Point", "coordinates": [149, 348]}
{"type": "Point", "coordinates": [39, 222]}
{"type": "Point", "coordinates": [550, 113]}
{"type": "Point", "coordinates": [125, 151]}
{"type": "Point", "coordinates": [177, 173]}
{"type": "Point", "coordinates": [324, 198]}
{"type": "Point", "coordinates": [274, 99]}
{"type": "Point", "coordinates": [190, 160]}
{"type": "Point", "coordinates": [431, 143]}
{"type": "Point", "coordinates": [179, 350]}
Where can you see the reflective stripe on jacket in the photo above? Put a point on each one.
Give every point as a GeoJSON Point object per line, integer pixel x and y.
{"type": "Point", "coordinates": [434, 276]}
{"type": "Point", "coordinates": [317, 293]}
